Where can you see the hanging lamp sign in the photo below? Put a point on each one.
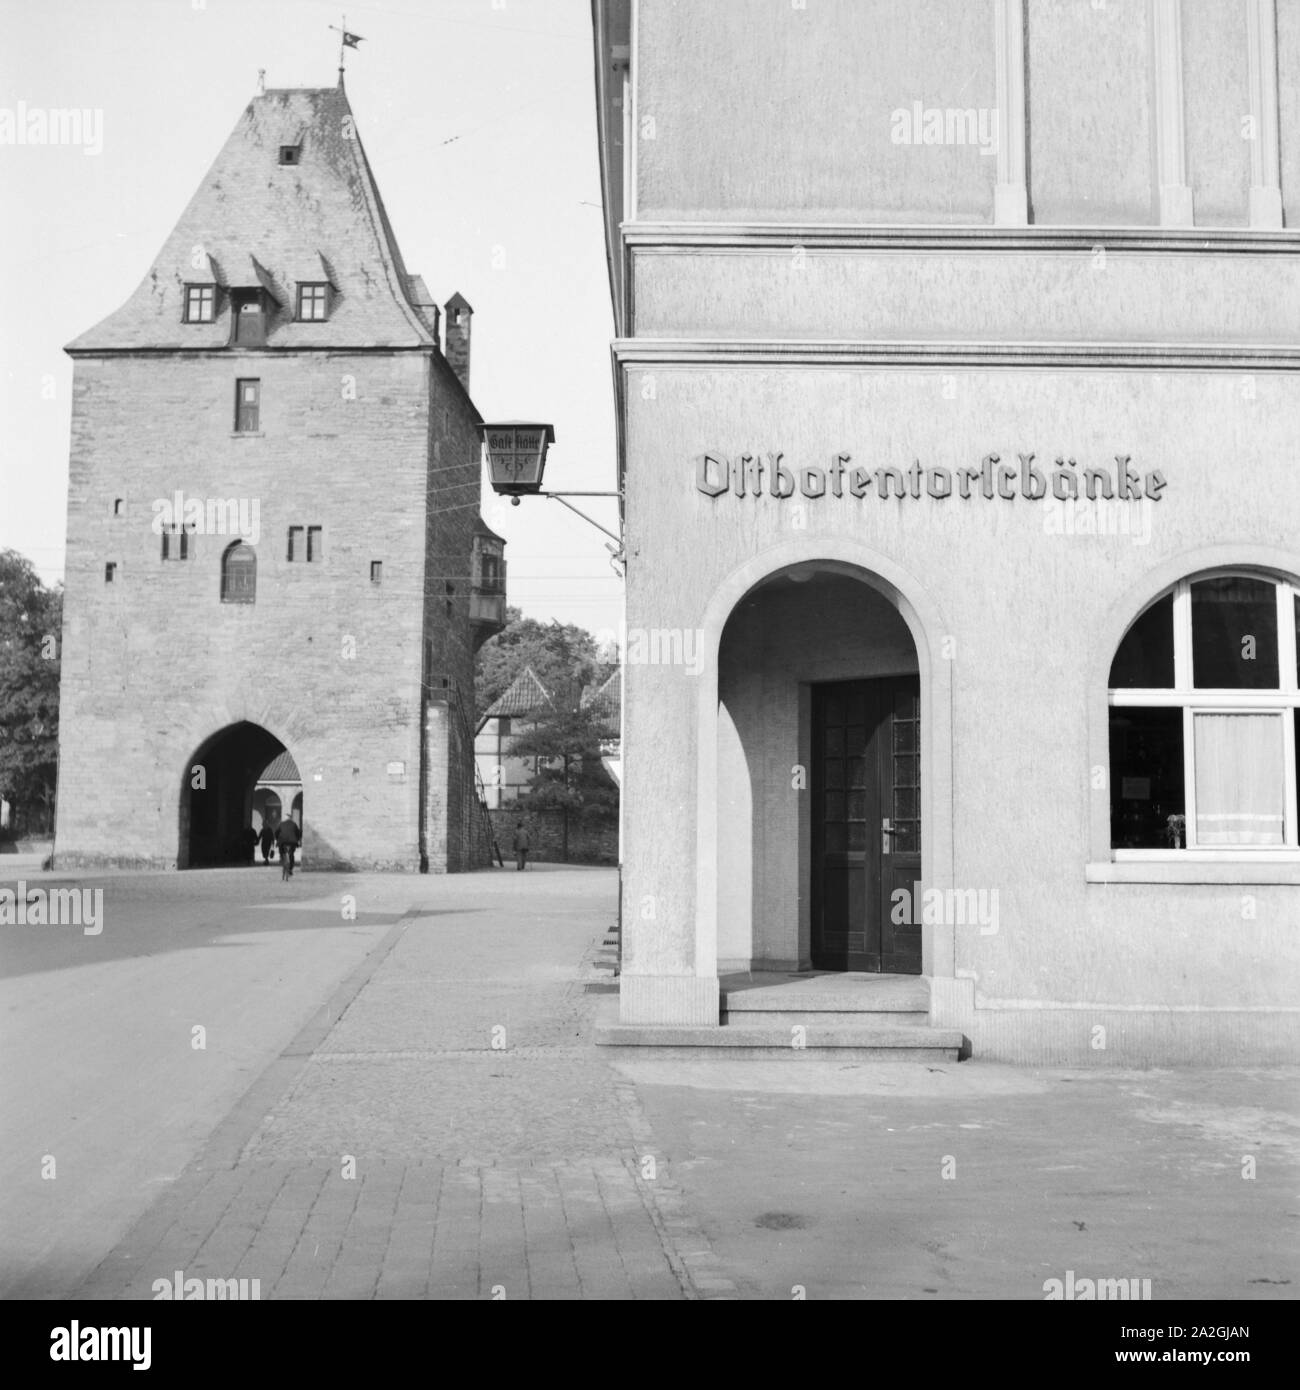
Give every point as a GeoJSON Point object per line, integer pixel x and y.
{"type": "Point", "coordinates": [516, 453]}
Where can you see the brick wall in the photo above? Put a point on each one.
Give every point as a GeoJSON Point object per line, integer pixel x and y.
{"type": "Point", "coordinates": [452, 509]}
{"type": "Point", "coordinates": [589, 841]}
{"type": "Point", "coordinates": [328, 662]}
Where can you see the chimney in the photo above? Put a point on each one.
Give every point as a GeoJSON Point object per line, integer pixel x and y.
{"type": "Point", "coordinates": [456, 351]}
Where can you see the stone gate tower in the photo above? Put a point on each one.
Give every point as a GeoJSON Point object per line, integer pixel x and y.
{"type": "Point", "coordinates": [274, 541]}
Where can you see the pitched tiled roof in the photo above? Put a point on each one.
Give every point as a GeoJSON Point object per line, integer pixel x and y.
{"type": "Point", "coordinates": [271, 224]}
{"type": "Point", "coordinates": [481, 528]}
{"type": "Point", "coordinates": [605, 697]}
{"type": "Point", "coordinates": [283, 769]}
{"type": "Point", "coordinates": [525, 695]}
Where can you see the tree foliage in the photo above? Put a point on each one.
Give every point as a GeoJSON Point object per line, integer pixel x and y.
{"type": "Point", "coordinates": [563, 657]}
{"type": "Point", "coordinates": [31, 620]}
{"type": "Point", "coordinates": [571, 777]}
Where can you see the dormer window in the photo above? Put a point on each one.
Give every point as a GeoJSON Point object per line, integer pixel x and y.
{"type": "Point", "coordinates": [290, 154]}
{"type": "Point", "coordinates": [313, 302]}
{"type": "Point", "coordinates": [200, 303]}
{"type": "Point", "coordinates": [249, 314]}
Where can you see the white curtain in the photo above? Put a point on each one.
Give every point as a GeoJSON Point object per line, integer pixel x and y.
{"type": "Point", "coordinates": [1240, 790]}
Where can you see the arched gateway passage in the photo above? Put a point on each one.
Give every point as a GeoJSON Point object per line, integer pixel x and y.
{"type": "Point", "coordinates": [216, 803]}
{"type": "Point", "coordinates": [819, 778]}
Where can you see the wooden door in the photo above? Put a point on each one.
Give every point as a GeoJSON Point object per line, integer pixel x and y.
{"type": "Point", "coordinates": [866, 829]}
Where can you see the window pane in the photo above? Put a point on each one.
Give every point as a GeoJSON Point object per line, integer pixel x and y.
{"type": "Point", "coordinates": [1145, 659]}
{"type": "Point", "coordinates": [1234, 634]}
{"type": "Point", "coordinates": [1240, 788]}
{"type": "Point", "coordinates": [1146, 778]}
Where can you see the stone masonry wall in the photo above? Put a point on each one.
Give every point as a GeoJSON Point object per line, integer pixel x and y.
{"type": "Point", "coordinates": [590, 841]}
{"type": "Point", "coordinates": [454, 495]}
{"type": "Point", "coordinates": [327, 661]}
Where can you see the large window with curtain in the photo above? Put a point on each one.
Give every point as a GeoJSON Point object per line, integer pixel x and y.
{"type": "Point", "coordinates": [1204, 713]}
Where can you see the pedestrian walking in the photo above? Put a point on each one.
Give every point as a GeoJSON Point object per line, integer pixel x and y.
{"type": "Point", "coordinates": [267, 839]}
{"type": "Point", "coordinates": [288, 837]}
{"type": "Point", "coordinates": [521, 845]}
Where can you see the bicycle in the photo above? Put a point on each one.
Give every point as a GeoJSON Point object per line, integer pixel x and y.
{"type": "Point", "coordinates": [286, 861]}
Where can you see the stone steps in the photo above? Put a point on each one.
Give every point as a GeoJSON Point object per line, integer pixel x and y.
{"type": "Point", "coordinates": [733, 1017]}
{"type": "Point", "coordinates": [866, 1038]}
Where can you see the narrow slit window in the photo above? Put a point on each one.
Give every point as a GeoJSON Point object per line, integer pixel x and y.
{"type": "Point", "coordinates": [295, 552]}
{"type": "Point", "coordinates": [315, 544]}
{"type": "Point", "coordinates": [110, 572]}
{"type": "Point", "coordinates": [176, 541]}
{"type": "Point", "coordinates": [376, 571]}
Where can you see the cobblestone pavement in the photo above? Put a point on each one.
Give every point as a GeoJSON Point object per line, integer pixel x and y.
{"type": "Point", "coordinates": [450, 1134]}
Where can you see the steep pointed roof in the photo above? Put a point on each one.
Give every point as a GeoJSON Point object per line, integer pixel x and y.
{"type": "Point", "coordinates": [272, 225]}
{"type": "Point", "coordinates": [524, 695]}
{"type": "Point", "coordinates": [604, 698]}
{"type": "Point", "coordinates": [481, 528]}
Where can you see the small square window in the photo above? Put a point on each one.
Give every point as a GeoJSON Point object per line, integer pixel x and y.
{"type": "Point", "coordinates": [200, 303]}
{"type": "Point", "coordinates": [314, 544]}
{"type": "Point", "coordinates": [376, 571]}
{"type": "Point", "coordinates": [110, 572]}
{"type": "Point", "coordinates": [313, 304]}
{"type": "Point", "coordinates": [290, 154]}
{"type": "Point", "coordinates": [295, 543]}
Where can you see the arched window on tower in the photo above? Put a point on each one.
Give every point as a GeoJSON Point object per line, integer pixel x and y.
{"type": "Point", "coordinates": [239, 574]}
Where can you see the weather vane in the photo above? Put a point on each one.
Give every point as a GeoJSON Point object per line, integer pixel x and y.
{"type": "Point", "coordinates": [350, 40]}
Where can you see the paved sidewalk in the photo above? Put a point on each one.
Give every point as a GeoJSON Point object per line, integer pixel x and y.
{"type": "Point", "coordinates": [981, 1180]}
{"type": "Point", "coordinates": [450, 1133]}
{"type": "Point", "coordinates": [444, 1129]}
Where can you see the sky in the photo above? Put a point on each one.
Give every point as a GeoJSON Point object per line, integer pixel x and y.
{"type": "Point", "coordinates": [478, 118]}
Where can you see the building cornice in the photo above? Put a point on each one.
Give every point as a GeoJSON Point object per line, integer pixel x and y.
{"type": "Point", "coordinates": [259, 354]}
{"type": "Point", "coordinates": [689, 352]}
{"type": "Point", "coordinates": [775, 236]}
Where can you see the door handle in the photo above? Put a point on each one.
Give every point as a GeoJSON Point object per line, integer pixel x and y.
{"type": "Point", "coordinates": [885, 833]}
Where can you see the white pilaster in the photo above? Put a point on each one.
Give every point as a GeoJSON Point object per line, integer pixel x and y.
{"type": "Point", "coordinates": [1265, 175]}
{"type": "Point", "coordinates": [1010, 196]}
{"type": "Point", "coordinates": [1174, 196]}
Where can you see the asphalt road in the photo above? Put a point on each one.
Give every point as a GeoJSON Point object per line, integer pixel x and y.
{"type": "Point", "coordinates": [105, 1092]}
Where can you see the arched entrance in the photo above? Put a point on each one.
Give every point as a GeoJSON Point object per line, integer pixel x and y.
{"type": "Point", "coordinates": [819, 778]}
{"type": "Point", "coordinates": [696, 998]}
{"type": "Point", "coordinates": [216, 802]}
{"type": "Point", "coordinates": [266, 809]}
